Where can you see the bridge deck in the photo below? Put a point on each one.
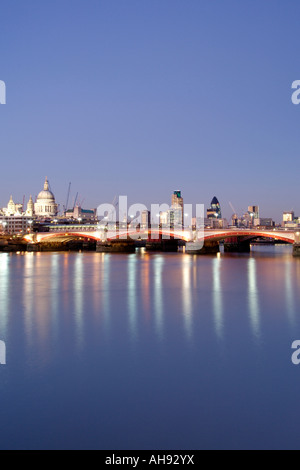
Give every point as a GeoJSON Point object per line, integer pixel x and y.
{"type": "Point", "coordinates": [63, 233]}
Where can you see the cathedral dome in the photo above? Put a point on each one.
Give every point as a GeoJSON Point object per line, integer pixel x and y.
{"type": "Point", "coordinates": [46, 194]}
{"type": "Point", "coordinates": [45, 205]}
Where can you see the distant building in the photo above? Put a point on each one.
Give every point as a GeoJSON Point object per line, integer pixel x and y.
{"type": "Point", "coordinates": [163, 218]}
{"type": "Point", "coordinates": [12, 208]}
{"type": "Point", "coordinates": [30, 208]}
{"type": "Point", "coordinates": [254, 210]}
{"type": "Point", "coordinates": [45, 205]}
{"type": "Point", "coordinates": [266, 222]}
{"type": "Point", "coordinates": [288, 216]}
{"type": "Point", "coordinates": [214, 212]}
{"type": "Point", "coordinates": [15, 224]}
{"type": "Point", "coordinates": [82, 215]}
{"type": "Point", "coordinates": [235, 220]}
{"type": "Point", "coordinates": [289, 220]}
{"type": "Point", "coordinates": [215, 223]}
{"type": "Point", "coordinates": [177, 200]}
{"type": "Point", "coordinates": [297, 220]}
{"type": "Point", "coordinates": [291, 225]}
{"type": "Point", "coordinates": [145, 219]}
{"type": "Point", "coordinates": [17, 210]}
{"type": "Point", "coordinates": [250, 218]}
{"type": "Point", "coordinates": [176, 215]}
{"type": "Point", "coordinates": [197, 222]}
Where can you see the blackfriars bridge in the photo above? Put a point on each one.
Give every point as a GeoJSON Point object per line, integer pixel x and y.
{"type": "Point", "coordinates": [195, 241]}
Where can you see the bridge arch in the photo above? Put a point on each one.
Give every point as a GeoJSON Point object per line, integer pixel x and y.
{"type": "Point", "coordinates": [248, 235]}
{"type": "Point", "coordinates": [63, 237]}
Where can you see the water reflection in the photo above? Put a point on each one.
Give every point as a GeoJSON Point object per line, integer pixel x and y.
{"type": "Point", "coordinates": [78, 300]}
{"type": "Point", "coordinates": [217, 297]}
{"type": "Point", "coordinates": [4, 293]}
{"type": "Point", "coordinates": [187, 295]}
{"type": "Point", "coordinates": [145, 275]}
{"type": "Point", "coordinates": [289, 292]}
{"type": "Point", "coordinates": [158, 293]}
{"type": "Point", "coordinates": [253, 298]}
{"type": "Point", "coordinates": [28, 294]}
{"type": "Point", "coordinates": [105, 275]}
{"type": "Point", "coordinates": [55, 284]}
{"type": "Point", "coordinates": [39, 320]}
{"type": "Point", "coordinates": [157, 288]}
{"type": "Point", "coordinates": [97, 273]}
{"type": "Point", "coordinates": [132, 294]}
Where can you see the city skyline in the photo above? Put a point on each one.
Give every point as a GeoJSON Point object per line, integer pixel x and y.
{"type": "Point", "coordinates": [119, 100]}
{"type": "Point", "coordinates": [78, 202]}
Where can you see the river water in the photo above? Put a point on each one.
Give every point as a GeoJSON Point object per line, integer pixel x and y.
{"type": "Point", "coordinates": [149, 351]}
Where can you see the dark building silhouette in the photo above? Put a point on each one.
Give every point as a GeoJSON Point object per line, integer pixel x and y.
{"type": "Point", "coordinates": [214, 212]}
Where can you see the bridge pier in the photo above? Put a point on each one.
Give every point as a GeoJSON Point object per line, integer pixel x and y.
{"type": "Point", "coordinates": [198, 248]}
{"type": "Point", "coordinates": [32, 247]}
{"type": "Point", "coordinates": [162, 245]}
{"type": "Point", "coordinates": [72, 245]}
{"type": "Point", "coordinates": [115, 246]}
{"type": "Point", "coordinates": [296, 250]}
{"type": "Point", "coordinates": [234, 245]}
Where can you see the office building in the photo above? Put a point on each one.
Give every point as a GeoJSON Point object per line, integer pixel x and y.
{"type": "Point", "coordinates": [176, 212]}
{"type": "Point", "coordinates": [288, 216]}
{"type": "Point", "coordinates": [145, 219]}
{"type": "Point", "coordinates": [254, 212]}
{"type": "Point", "coordinates": [214, 212]}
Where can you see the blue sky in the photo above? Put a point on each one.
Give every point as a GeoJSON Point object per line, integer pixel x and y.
{"type": "Point", "coordinates": [142, 97]}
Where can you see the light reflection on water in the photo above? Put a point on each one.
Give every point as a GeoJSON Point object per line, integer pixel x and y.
{"type": "Point", "coordinates": [54, 282]}
{"type": "Point", "coordinates": [76, 279]}
{"type": "Point", "coordinates": [187, 307]}
{"type": "Point", "coordinates": [105, 291]}
{"type": "Point", "coordinates": [132, 294]}
{"type": "Point", "coordinates": [4, 289]}
{"type": "Point", "coordinates": [217, 296]}
{"type": "Point", "coordinates": [79, 297]}
{"type": "Point", "coordinates": [196, 323]}
{"type": "Point", "coordinates": [28, 295]}
{"type": "Point", "coordinates": [253, 297]}
{"type": "Point", "coordinates": [158, 293]}
{"type": "Point", "coordinates": [289, 292]}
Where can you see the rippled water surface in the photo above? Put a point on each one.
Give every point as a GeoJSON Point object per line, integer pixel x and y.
{"type": "Point", "coordinates": [149, 351]}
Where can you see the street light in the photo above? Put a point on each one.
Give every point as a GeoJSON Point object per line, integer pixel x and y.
{"type": "Point", "coordinates": [4, 224]}
{"type": "Point", "coordinates": [30, 222]}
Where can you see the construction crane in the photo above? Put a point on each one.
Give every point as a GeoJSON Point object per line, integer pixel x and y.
{"type": "Point", "coordinates": [115, 203]}
{"type": "Point", "coordinates": [80, 201]}
{"type": "Point", "coordinates": [68, 197]}
{"type": "Point", "coordinates": [75, 201]}
{"type": "Point", "coordinates": [233, 209]}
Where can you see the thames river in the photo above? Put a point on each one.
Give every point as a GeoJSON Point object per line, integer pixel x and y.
{"type": "Point", "coordinates": [149, 351]}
